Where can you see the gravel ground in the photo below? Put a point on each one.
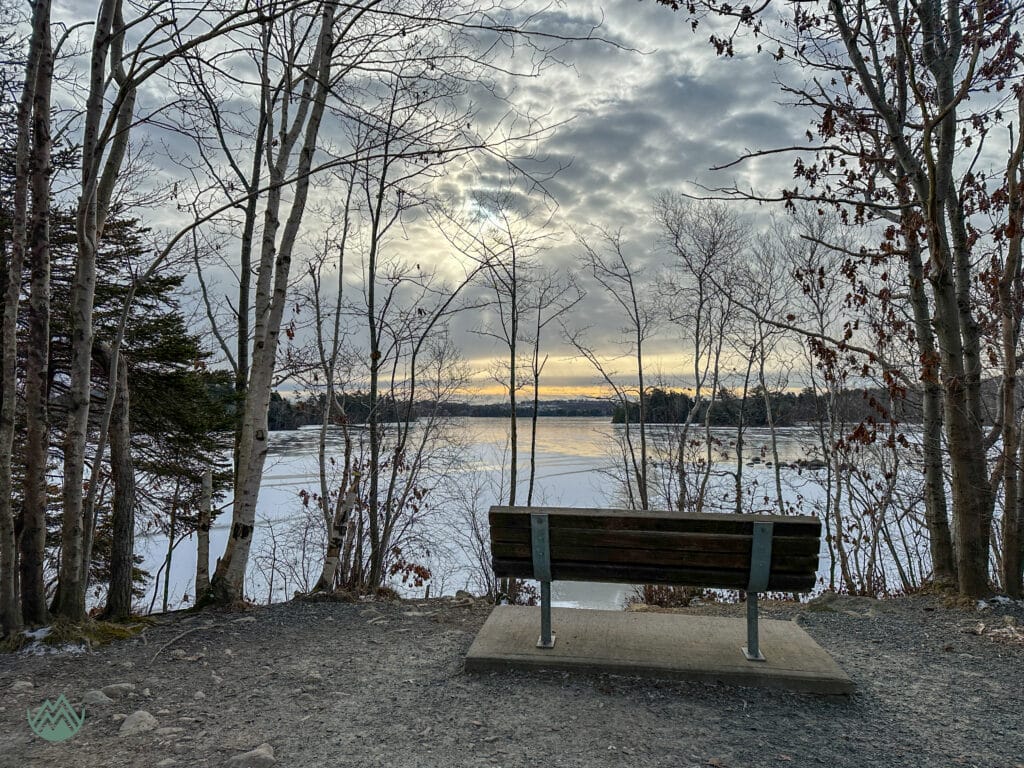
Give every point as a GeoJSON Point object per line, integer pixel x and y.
{"type": "Point", "coordinates": [381, 684]}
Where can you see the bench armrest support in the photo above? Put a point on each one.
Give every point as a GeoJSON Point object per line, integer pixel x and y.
{"type": "Point", "coordinates": [760, 568]}
{"type": "Point", "coordinates": [540, 544]}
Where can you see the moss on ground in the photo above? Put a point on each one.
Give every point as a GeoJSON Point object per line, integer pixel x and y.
{"type": "Point", "coordinates": [90, 633]}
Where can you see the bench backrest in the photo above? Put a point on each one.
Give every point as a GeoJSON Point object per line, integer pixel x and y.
{"type": "Point", "coordinates": [627, 546]}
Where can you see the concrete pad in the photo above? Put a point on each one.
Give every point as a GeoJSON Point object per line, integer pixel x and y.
{"type": "Point", "coordinates": [664, 645]}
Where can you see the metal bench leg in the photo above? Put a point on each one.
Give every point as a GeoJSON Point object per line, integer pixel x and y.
{"type": "Point", "coordinates": [752, 651]}
{"type": "Point", "coordinates": [547, 637]}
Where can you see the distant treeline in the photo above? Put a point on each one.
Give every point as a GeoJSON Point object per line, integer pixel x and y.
{"type": "Point", "coordinates": [787, 408]}
{"type": "Point", "coordinates": [546, 408]}
{"type": "Point", "coordinates": [288, 414]}
{"type": "Point", "coordinates": [664, 406]}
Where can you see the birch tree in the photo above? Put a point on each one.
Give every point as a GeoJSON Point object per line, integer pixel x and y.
{"type": "Point", "coordinates": [297, 126]}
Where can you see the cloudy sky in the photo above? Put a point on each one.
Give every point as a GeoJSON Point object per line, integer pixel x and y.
{"type": "Point", "coordinates": [650, 113]}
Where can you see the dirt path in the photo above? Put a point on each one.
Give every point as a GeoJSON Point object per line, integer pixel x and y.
{"type": "Point", "coordinates": [333, 684]}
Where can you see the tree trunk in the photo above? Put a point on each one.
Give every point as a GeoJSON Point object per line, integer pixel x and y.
{"type": "Point", "coordinates": [1009, 305]}
{"type": "Point", "coordinates": [936, 515]}
{"type": "Point", "coordinates": [972, 495]}
{"type": "Point", "coordinates": [513, 349]}
{"type": "Point", "coordinates": [122, 556]}
{"type": "Point", "coordinates": [10, 613]}
{"type": "Point", "coordinates": [534, 412]}
{"type": "Point", "coordinates": [336, 535]}
{"type": "Point", "coordinates": [203, 535]}
{"type": "Point", "coordinates": [70, 600]}
{"type": "Point", "coordinates": [37, 352]}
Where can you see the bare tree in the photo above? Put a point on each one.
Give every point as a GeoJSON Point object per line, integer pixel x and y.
{"type": "Point", "coordinates": [889, 128]}
{"type": "Point", "coordinates": [550, 299]}
{"type": "Point", "coordinates": [622, 281]}
{"type": "Point", "coordinates": [703, 240]}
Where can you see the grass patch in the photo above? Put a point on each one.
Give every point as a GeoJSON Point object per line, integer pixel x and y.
{"type": "Point", "coordinates": [90, 633]}
{"type": "Point", "coordinates": [663, 596]}
{"type": "Point", "coordinates": [339, 595]}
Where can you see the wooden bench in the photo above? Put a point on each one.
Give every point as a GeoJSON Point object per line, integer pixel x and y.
{"type": "Point", "coordinates": [755, 553]}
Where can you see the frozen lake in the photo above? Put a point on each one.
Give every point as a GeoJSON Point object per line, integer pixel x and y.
{"type": "Point", "coordinates": [576, 467]}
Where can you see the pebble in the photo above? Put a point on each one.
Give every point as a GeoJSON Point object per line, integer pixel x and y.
{"type": "Point", "coordinates": [21, 686]}
{"type": "Point", "coordinates": [95, 698]}
{"type": "Point", "coordinates": [137, 722]}
{"type": "Point", "coordinates": [117, 690]}
{"type": "Point", "coordinates": [198, 695]}
{"type": "Point", "coordinates": [261, 757]}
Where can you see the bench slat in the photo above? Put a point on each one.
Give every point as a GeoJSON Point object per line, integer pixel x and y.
{"type": "Point", "coordinates": [658, 540]}
{"type": "Point", "coordinates": [630, 520]}
{"type": "Point", "coordinates": [658, 557]}
{"type": "Point", "coordinates": [639, 574]}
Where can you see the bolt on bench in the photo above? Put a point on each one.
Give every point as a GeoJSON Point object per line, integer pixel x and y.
{"type": "Point", "coordinates": [755, 553]}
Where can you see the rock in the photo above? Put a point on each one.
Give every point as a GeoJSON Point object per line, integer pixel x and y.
{"type": "Point", "coordinates": [21, 686]}
{"type": "Point", "coordinates": [261, 757]}
{"type": "Point", "coordinates": [118, 717]}
{"type": "Point", "coordinates": [163, 711]}
{"type": "Point", "coordinates": [463, 594]}
{"type": "Point", "coordinates": [117, 690]}
{"type": "Point", "coordinates": [169, 731]}
{"type": "Point", "coordinates": [166, 761]}
{"type": "Point", "coordinates": [95, 698]}
{"type": "Point", "coordinates": [180, 655]}
{"type": "Point", "coordinates": [137, 722]}
{"type": "Point", "coordinates": [198, 695]}
{"type": "Point", "coordinates": [217, 679]}
{"type": "Point", "coordinates": [822, 602]}
{"type": "Point", "coordinates": [146, 692]}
